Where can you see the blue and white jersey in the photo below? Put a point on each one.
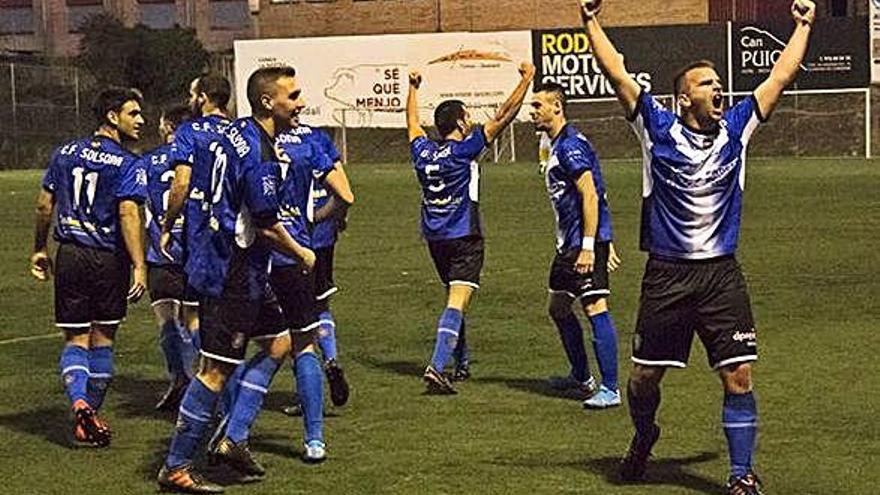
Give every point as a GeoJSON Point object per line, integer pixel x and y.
{"type": "Point", "coordinates": [571, 156]}
{"type": "Point", "coordinates": [303, 165]}
{"type": "Point", "coordinates": [160, 175]}
{"type": "Point", "coordinates": [449, 175]}
{"type": "Point", "coordinates": [88, 178]}
{"type": "Point", "coordinates": [323, 232]}
{"type": "Point", "coordinates": [224, 252]}
{"type": "Point", "coordinates": [692, 182]}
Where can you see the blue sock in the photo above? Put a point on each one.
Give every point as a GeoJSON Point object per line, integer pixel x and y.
{"type": "Point", "coordinates": [740, 419]}
{"type": "Point", "coordinates": [100, 374]}
{"type": "Point", "coordinates": [252, 390]}
{"type": "Point", "coordinates": [188, 352]}
{"type": "Point", "coordinates": [327, 335]}
{"type": "Point", "coordinates": [461, 353]}
{"type": "Point", "coordinates": [193, 420]}
{"type": "Point", "coordinates": [605, 346]}
{"type": "Point", "coordinates": [310, 386]}
{"type": "Point", "coordinates": [171, 345]}
{"type": "Point", "coordinates": [447, 337]}
{"type": "Point", "coordinates": [74, 369]}
{"type": "Point", "coordinates": [572, 336]}
{"type": "Point", "coordinates": [230, 391]}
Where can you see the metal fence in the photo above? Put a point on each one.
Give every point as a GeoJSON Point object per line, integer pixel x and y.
{"type": "Point", "coordinates": [40, 106]}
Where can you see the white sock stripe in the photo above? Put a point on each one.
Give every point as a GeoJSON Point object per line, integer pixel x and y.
{"type": "Point", "coordinates": [329, 323]}
{"type": "Point", "coordinates": [75, 367]}
{"type": "Point", "coordinates": [191, 415]}
{"type": "Point", "coordinates": [100, 375]}
{"type": "Point", "coordinates": [753, 424]}
{"type": "Point", "coordinates": [447, 330]}
{"type": "Point", "coordinates": [262, 390]}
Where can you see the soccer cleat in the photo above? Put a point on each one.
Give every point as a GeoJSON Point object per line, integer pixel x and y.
{"type": "Point", "coordinates": [603, 399]}
{"type": "Point", "coordinates": [170, 400]}
{"type": "Point", "coordinates": [749, 484]}
{"type": "Point", "coordinates": [315, 452]}
{"type": "Point", "coordinates": [437, 383]}
{"type": "Point", "coordinates": [633, 465]}
{"type": "Point", "coordinates": [238, 456]}
{"type": "Point", "coordinates": [293, 410]}
{"type": "Point", "coordinates": [565, 383]}
{"type": "Point", "coordinates": [462, 372]}
{"type": "Point", "coordinates": [338, 386]}
{"type": "Point", "coordinates": [88, 430]}
{"type": "Point", "coordinates": [184, 480]}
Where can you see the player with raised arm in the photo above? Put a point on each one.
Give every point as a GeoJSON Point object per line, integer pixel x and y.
{"type": "Point", "coordinates": [449, 176]}
{"type": "Point", "coordinates": [228, 258]}
{"type": "Point", "coordinates": [95, 188]}
{"type": "Point", "coordinates": [694, 175]}
{"type": "Point", "coordinates": [584, 250]}
{"type": "Point", "coordinates": [176, 314]}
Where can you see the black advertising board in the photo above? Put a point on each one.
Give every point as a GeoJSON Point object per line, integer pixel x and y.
{"type": "Point", "coordinates": [653, 55]}
{"type": "Point", "coordinates": [837, 58]}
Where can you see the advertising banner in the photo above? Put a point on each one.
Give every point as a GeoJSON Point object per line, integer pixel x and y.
{"type": "Point", "coordinates": [874, 27]}
{"type": "Point", "coordinates": [837, 57]}
{"type": "Point", "coordinates": [653, 55]}
{"type": "Point", "coordinates": [363, 80]}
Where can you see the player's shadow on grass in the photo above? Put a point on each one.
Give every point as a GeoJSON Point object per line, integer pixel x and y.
{"type": "Point", "coordinates": [537, 386]}
{"type": "Point", "coordinates": [405, 368]}
{"type": "Point", "coordinates": [661, 471]}
{"type": "Point", "coordinates": [50, 423]}
{"type": "Point", "coordinates": [136, 397]}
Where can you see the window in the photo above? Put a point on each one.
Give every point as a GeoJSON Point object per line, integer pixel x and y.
{"type": "Point", "coordinates": [80, 10]}
{"type": "Point", "coordinates": [229, 14]}
{"type": "Point", "coordinates": [16, 17]}
{"type": "Point", "coordinates": [158, 14]}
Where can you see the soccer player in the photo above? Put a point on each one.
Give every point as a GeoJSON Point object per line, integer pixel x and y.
{"type": "Point", "coordinates": [694, 171]}
{"type": "Point", "coordinates": [449, 176]}
{"type": "Point", "coordinates": [228, 257]}
{"type": "Point", "coordinates": [176, 313]}
{"type": "Point", "coordinates": [94, 186]}
{"type": "Point", "coordinates": [304, 164]}
{"type": "Point", "coordinates": [584, 252]}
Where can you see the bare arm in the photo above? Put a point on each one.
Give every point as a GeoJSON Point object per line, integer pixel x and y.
{"type": "Point", "coordinates": [610, 61]}
{"type": "Point", "coordinates": [176, 199]}
{"type": "Point", "coordinates": [510, 108]}
{"type": "Point", "coordinates": [40, 261]}
{"type": "Point", "coordinates": [590, 210]}
{"type": "Point", "coordinates": [786, 68]}
{"type": "Point", "coordinates": [342, 197]}
{"type": "Point", "coordinates": [282, 241]}
{"type": "Point", "coordinates": [133, 233]}
{"type": "Point", "coordinates": [414, 129]}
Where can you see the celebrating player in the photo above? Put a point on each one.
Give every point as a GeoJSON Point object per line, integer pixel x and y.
{"type": "Point", "coordinates": [584, 253]}
{"type": "Point", "coordinates": [95, 187]}
{"type": "Point", "coordinates": [228, 257]}
{"type": "Point", "coordinates": [694, 174]}
{"type": "Point", "coordinates": [449, 177]}
{"type": "Point", "coordinates": [176, 314]}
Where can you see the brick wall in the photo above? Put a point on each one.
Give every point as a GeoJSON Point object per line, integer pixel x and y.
{"type": "Point", "coordinates": [344, 17]}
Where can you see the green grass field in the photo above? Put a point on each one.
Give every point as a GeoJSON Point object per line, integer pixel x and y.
{"type": "Point", "coordinates": [810, 253]}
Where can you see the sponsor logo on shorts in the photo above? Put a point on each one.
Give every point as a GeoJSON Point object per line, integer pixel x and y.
{"type": "Point", "coordinates": [237, 340]}
{"type": "Point", "coordinates": [743, 336]}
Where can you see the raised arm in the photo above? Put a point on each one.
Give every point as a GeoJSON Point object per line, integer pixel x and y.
{"type": "Point", "coordinates": [609, 59]}
{"type": "Point", "coordinates": [786, 68]}
{"type": "Point", "coordinates": [510, 108]}
{"type": "Point", "coordinates": [414, 129]}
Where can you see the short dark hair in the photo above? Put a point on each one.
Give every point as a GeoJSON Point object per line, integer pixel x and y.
{"type": "Point", "coordinates": [112, 99]}
{"type": "Point", "coordinates": [555, 88]}
{"type": "Point", "coordinates": [446, 116]}
{"type": "Point", "coordinates": [176, 114]}
{"type": "Point", "coordinates": [258, 83]}
{"type": "Point", "coordinates": [216, 87]}
{"type": "Point", "coordinates": [678, 80]}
